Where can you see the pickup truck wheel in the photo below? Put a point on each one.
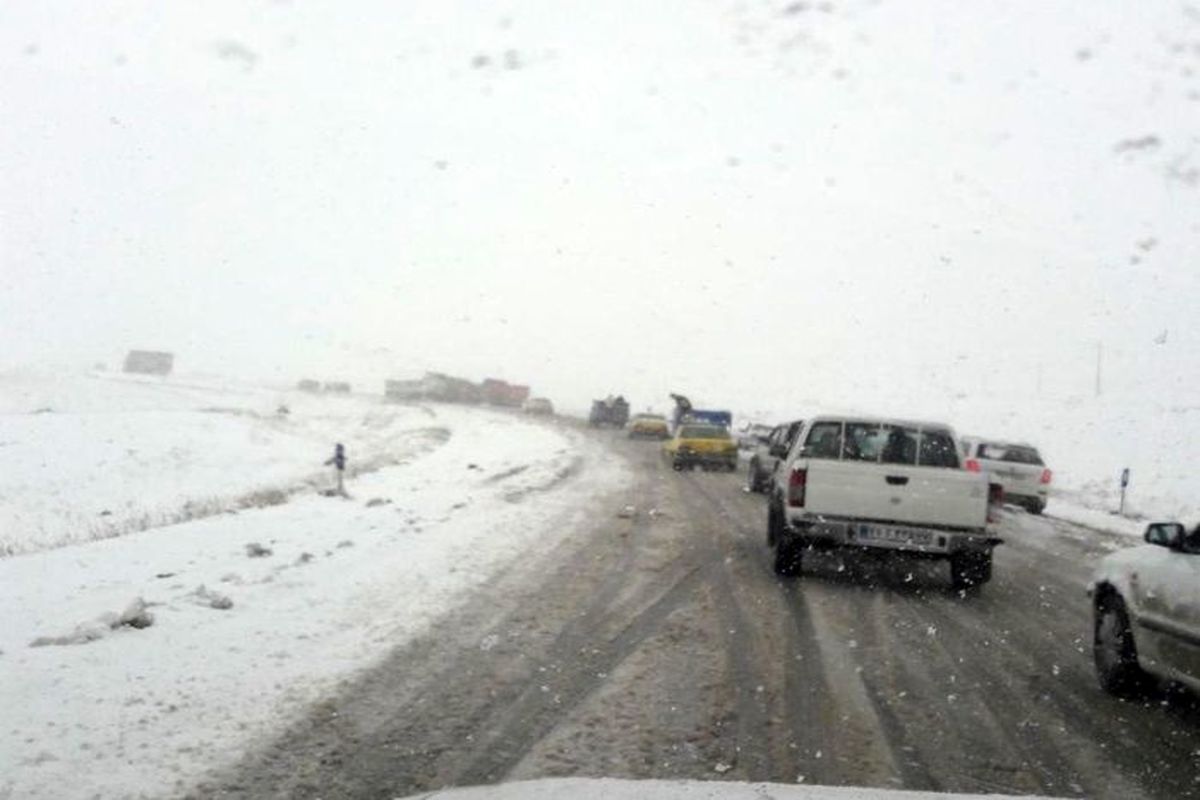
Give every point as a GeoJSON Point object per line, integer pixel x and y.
{"type": "Point", "coordinates": [1114, 650]}
{"type": "Point", "coordinates": [788, 556]}
{"type": "Point", "coordinates": [970, 570]}
{"type": "Point", "coordinates": [1037, 507]}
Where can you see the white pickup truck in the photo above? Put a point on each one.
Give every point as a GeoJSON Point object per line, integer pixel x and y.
{"type": "Point", "coordinates": [880, 486]}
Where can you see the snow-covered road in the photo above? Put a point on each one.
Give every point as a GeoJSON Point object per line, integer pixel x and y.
{"type": "Point", "coordinates": [333, 586]}
{"type": "Point", "coordinates": [659, 644]}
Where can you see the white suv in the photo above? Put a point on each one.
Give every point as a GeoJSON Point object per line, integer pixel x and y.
{"type": "Point", "coordinates": [1017, 468]}
{"type": "Point", "coordinates": [1146, 603]}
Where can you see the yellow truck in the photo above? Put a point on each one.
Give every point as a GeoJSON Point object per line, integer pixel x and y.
{"type": "Point", "coordinates": [706, 446]}
{"type": "Point", "coordinates": [649, 426]}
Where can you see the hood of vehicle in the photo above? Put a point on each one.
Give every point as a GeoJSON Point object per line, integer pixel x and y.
{"type": "Point", "coordinates": [614, 789]}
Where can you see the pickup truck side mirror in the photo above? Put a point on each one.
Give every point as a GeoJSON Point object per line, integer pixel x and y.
{"type": "Point", "coordinates": [1165, 534]}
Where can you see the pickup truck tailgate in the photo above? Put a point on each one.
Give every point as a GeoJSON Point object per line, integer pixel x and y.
{"type": "Point", "coordinates": [934, 496]}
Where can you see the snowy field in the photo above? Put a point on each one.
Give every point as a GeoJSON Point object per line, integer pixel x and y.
{"type": "Point", "coordinates": [256, 612]}
{"type": "Point", "coordinates": [93, 456]}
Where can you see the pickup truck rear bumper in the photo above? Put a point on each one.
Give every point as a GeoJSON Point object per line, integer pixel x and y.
{"type": "Point", "coordinates": [872, 535]}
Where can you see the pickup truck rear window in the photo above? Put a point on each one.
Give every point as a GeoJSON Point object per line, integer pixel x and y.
{"type": "Point", "coordinates": [880, 443]}
{"type": "Point", "coordinates": [937, 450]}
{"type": "Point", "coordinates": [900, 445]}
{"type": "Point", "coordinates": [824, 440]}
{"type": "Point", "coordinates": [863, 441]}
{"type": "Point", "coordinates": [1014, 454]}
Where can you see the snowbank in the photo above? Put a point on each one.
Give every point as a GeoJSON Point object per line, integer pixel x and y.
{"type": "Point", "coordinates": [334, 584]}
{"type": "Point", "coordinates": [1095, 518]}
{"type": "Point", "coordinates": [611, 789]}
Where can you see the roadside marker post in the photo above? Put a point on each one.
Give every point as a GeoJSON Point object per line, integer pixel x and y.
{"type": "Point", "coordinates": [338, 460]}
{"type": "Point", "coordinates": [1124, 484]}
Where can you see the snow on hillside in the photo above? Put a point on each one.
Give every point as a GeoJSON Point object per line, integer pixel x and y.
{"type": "Point", "coordinates": [92, 456]}
{"type": "Point", "coordinates": [256, 613]}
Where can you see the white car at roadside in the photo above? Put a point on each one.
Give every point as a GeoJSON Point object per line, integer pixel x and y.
{"type": "Point", "coordinates": [1146, 611]}
{"type": "Point", "coordinates": [1017, 468]}
{"type": "Point", "coordinates": [750, 436]}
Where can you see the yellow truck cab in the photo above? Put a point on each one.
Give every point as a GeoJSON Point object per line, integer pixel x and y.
{"type": "Point", "coordinates": [698, 444]}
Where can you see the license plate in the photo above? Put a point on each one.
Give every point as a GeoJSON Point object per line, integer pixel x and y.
{"type": "Point", "coordinates": [884, 534]}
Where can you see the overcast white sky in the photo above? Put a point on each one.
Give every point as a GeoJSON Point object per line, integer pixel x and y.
{"type": "Point", "coordinates": [729, 199]}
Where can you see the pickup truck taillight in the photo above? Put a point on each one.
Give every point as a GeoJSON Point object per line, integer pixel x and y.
{"type": "Point", "coordinates": [797, 482]}
{"type": "Point", "coordinates": [1046, 476]}
{"type": "Point", "coordinates": [995, 501]}
{"type": "Point", "coordinates": [973, 466]}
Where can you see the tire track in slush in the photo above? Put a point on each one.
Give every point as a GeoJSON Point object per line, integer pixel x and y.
{"type": "Point", "coordinates": [817, 701]}
{"type": "Point", "coordinates": [522, 723]}
{"type": "Point", "coordinates": [1040, 745]}
{"type": "Point", "coordinates": [754, 754]}
{"type": "Point", "coordinates": [819, 725]}
{"type": "Point", "coordinates": [502, 748]}
{"type": "Point", "coordinates": [527, 720]}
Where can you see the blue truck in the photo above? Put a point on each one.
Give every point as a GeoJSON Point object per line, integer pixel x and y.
{"type": "Point", "coordinates": [708, 417]}
{"type": "Point", "coordinates": [684, 412]}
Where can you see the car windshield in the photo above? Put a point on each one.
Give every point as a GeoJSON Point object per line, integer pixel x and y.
{"type": "Point", "coordinates": [703, 432]}
{"type": "Point", "coordinates": [324, 331]}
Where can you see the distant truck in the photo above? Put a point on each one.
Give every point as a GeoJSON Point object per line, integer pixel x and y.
{"type": "Point", "coordinates": [612, 411]}
{"type": "Point", "coordinates": [309, 385]}
{"type": "Point", "coordinates": [502, 393]}
{"type": "Point", "coordinates": [336, 387]}
{"type": "Point", "coordinates": [449, 389]}
{"type": "Point", "coordinates": [880, 487]}
{"type": "Point", "coordinates": [686, 413]}
{"type": "Point", "coordinates": [149, 362]}
{"type": "Point", "coordinates": [400, 391]}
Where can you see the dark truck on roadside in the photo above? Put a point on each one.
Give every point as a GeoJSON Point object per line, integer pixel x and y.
{"type": "Point", "coordinates": [610, 412]}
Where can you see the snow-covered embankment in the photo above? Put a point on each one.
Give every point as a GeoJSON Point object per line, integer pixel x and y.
{"type": "Point", "coordinates": [257, 614]}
